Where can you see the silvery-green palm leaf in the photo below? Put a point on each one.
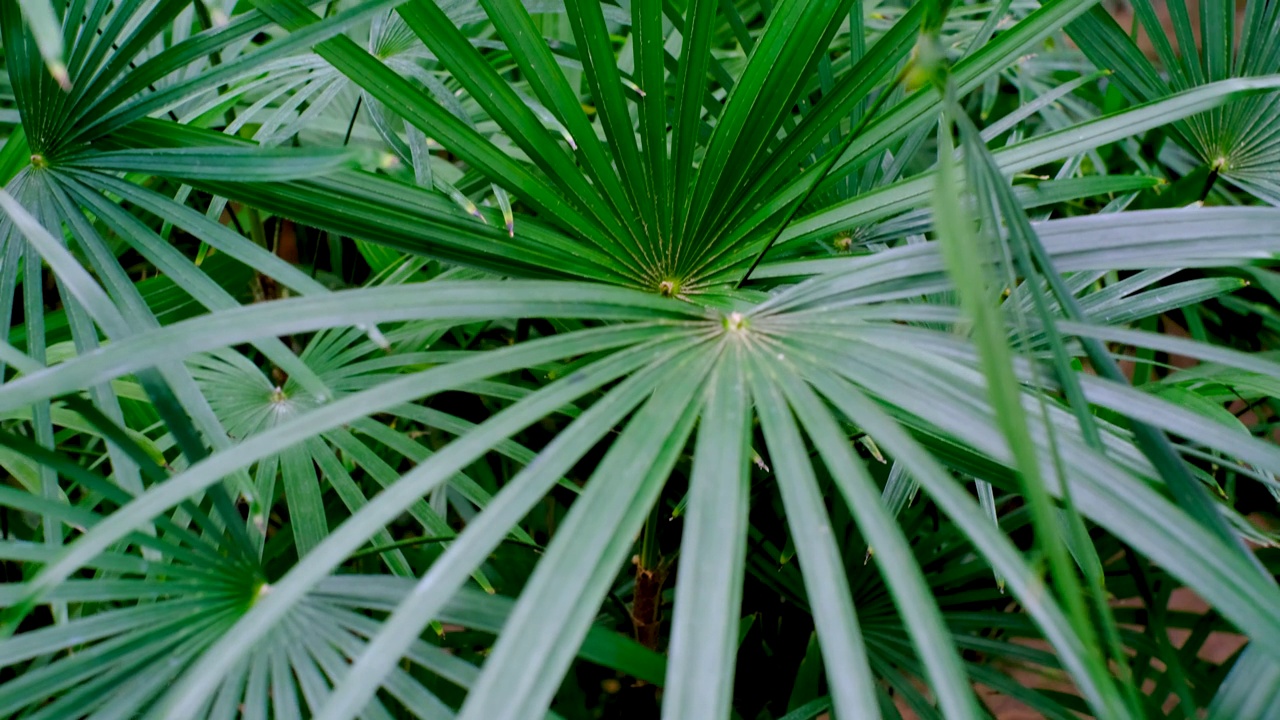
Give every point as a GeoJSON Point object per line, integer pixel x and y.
{"type": "Point", "coordinates": [676, 239]}
{"type": "Point", "coordinates": [1211, 40]}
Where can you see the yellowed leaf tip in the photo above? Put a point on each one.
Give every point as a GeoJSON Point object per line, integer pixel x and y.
{"type": "Point", "coordinates": [759, 461]}
{"type": "Point", "coordinates": [388, 161]}
{"type": "Point", "coordinates": [59, 73]}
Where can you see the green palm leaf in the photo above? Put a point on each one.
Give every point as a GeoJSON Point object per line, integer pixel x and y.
{"type": "Point", "coordinates": [691, 282]}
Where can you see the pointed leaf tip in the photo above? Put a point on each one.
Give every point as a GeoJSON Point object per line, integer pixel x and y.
{"type": "Point", "coordinates": [59, 72]}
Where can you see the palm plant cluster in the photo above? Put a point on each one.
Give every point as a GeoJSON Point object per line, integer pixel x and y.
{"type": "Point", "coordinates": [687, 358]}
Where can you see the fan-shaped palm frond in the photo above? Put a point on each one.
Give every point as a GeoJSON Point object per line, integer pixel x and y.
{"type": "Point", "coordinates": [655, 322]}
{"type": "Point", "coordinates": [1241, 144]}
